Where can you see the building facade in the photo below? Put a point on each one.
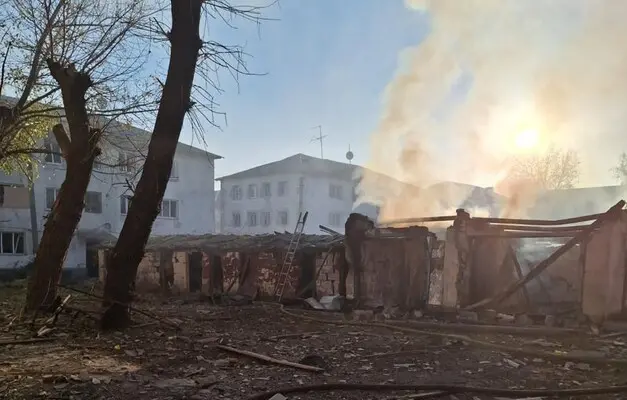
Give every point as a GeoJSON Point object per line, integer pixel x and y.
{"type": "Point", "coordinates": [188, 206]}
{"type": "Point", "coordinates": [270, 197]}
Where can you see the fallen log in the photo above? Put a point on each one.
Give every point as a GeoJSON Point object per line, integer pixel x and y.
{"type": "Point", "coordinates": [25, 341]}
{"type": "Point", "coordinates": [268, 359]}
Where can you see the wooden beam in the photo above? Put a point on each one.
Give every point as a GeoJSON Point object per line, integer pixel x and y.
{"type": "Point", "coordinates": [529, 228]}
{"type": "Point", "coordinates": [522, 235]}
{"type": "Point", "coordinates": [543, 222]}
{"type": "Point", "coordinates": [511, 253]}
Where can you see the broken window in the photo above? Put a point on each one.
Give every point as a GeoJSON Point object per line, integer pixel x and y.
{"type": "Point", "coordinates": [252, 191]}
{"type": "Point", "coordinates": [51, 196]}
{"type": "Point", "coordinates": [236, 192]}
{"type": "Point", "coordinates": [265, 218]}
{"type": "Point", "coordinates": [169, 209]}
{"type": "Point", "coordinates": [12, 243]}
{"type": "Point", "coordinates": [282, 188]}
{"type": "Point", "coordinates": [251, 216]}
{"type": "Point", "coordinates": [125, 204]}
{"type": "Point", "coordinates": [335, 219]}
{"type": "Point", "coordinates": [237, 219]}
{"type": "Point", "coordinates": [266, 189]}
{"type": "Point", "coordinates": [54, 157]}
{"type": "Point", "coordinates": [282, 218]}
{"type": "Point", "coordinates": [335, 191]}
{"type": "Point", "coordinates": [125, 162]}
{"type": "Point", "coordinates": [174, 173]}
{"type": "Point", "coordinates": [93, 202]}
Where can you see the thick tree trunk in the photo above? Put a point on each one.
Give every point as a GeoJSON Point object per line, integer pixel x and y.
{"type": "Point", "coordinates": [79, 153]}
{"type": "Point", "coordinates": [57, 235]}
{"type": "Point", "coordinates": [175, 102]}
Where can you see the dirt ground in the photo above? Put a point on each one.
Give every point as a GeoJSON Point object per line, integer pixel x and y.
{"type": "Point", "coordinates": [154, 361]}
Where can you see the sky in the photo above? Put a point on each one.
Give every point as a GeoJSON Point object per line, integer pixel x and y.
{"type": "Point", "coordinates": [326, 63]}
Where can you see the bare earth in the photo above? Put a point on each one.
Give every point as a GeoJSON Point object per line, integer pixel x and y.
{"type": "Point", "coordinates": [154, 361]}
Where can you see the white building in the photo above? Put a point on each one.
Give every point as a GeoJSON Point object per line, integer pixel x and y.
{"type": "Point", "coordinates": [270, 197]}
{"type": "Point", "coordinates": [188, 206]}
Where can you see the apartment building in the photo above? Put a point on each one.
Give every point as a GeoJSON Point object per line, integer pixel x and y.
{"type": "Point", "coordinates": [269, 197]}
{"type": "Point", "coordinates": [188, 206]}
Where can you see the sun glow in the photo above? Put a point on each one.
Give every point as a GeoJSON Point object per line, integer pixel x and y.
{"type": "Point", "coordinates": [527, 139]}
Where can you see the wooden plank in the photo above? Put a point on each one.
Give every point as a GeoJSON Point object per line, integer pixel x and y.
{"type": "Point", "coordinates": [511, 253]}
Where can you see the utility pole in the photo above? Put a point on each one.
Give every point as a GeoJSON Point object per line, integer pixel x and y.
{"type": "Point", "coordinates": [319, 139]}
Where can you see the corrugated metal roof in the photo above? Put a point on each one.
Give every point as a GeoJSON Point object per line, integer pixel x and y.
{"type": "Point", "coordinates": [251, 243]}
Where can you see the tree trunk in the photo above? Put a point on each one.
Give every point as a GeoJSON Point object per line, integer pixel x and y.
{"type": "Point", "coordinates": [79, 153]}
{"type": "Point", "coordinates": [175, 102]}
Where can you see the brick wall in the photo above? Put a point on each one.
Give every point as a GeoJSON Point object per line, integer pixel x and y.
{"type": "Point", "coordinates": [148, 277]}
{"type": "Point", "coordinates": [328, 281]}
{"type": "Point", "coordinates": [230, 271]}
{"type": "Point", "coordinates": [181, 272]}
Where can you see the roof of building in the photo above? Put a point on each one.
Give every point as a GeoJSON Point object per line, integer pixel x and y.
{"type": "Point", "coordinates": [565, 203]}
{"type": "Point", "coordinates": [299, 164]}
{"type": "Point", "coordinates": [247, 243]}
{"type": "Point", "coordinates": [124, 135]}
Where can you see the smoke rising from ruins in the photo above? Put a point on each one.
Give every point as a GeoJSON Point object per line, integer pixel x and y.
{"type": "Point", "coordinates": [554, 66]}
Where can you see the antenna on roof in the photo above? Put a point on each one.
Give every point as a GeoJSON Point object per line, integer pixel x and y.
{"type": "Point", "coordinates": [319, 139]}
{"type": "Point", "coordinates": [349, 155]}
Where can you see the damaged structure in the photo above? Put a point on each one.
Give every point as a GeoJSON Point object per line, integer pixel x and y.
{"type": "Point", "coordinates": [233, 264]}
{"type": "Point", "coordinates": [373, 266]}
{"type": "Point", "coordinates": [493, 263]}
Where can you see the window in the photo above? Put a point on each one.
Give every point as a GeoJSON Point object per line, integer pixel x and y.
{"type": "Point", "coordinates": [282, 218]}
{"type": "Point", "coordinates": [93, 202]}
{"type": "Point", "coordinates": [12, 243]}
{"type": "Point", "coordinates": [51, 196]}
{"type": "Point", "coordinates": [335, 219]}
{"type": "Point", "coordinates": [125, 204]}
{"type": "Point", "coordinates": [282, 188]}
{"type": "Point", "coordinates": [174, 172]}
{"type": "Point", "coordinates": [335, 191]}
{"type": "Point", "coordinates": [54, 157]}
{"type": "Point", "coordinates": [236, 219]}
{"type": "Point", "coordinates": [265, 218]}
{"type": "Point", "coordinates": [169, 209]}
{"type": "Point", "coordinates": [251, 217]}
{"type": "Point", "coordinates": [236, 192]}
{"type": "Point", "coordinates": [125, 162]}
{"type": "Point", "coordinates": [266, 189]}
{"type": "Point", "coordinates": [252, 191]}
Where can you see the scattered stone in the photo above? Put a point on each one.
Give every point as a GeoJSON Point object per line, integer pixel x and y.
{"type": "Point", "coordinates": [314, 360]}
{"type": "Point", "coordinates": [278, 396]}
{"type": "Point", "coordinates": [313, 303]}
{"type": "Point", "coordinates": [418, 314]}
{"type": "Point", "coordinates": [505, 318]}
{"type": "Point", "coordinates": [523, 320]}
{"type": "Point", "coordinates": [363, 315]}
{"type": "Point", "coordinates": [583, 367]}
{"type": "Point", "coordinates": [223, 362]}
{"type": "Point", "coordinates": [175, 383]}
{"type": "Point", "coordinates": [467, 316]}
{"type": "Point", "coordinates": [332, 302]}
{"type": "Point", "coordinates": [489, 316]}
{"type": "Point", "coordinates": [403, 365]}
{"type": "Point", "coordinates": [511, 363]}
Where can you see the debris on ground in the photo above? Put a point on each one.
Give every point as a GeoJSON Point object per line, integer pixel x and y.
{"type": "Point", "coordinates": [234, 351]}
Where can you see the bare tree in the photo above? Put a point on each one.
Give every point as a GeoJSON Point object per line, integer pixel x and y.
{"type": "Point", "coordinates": [87, 74]}
{"type": "Point", "coordinates": [189, 55]}
{"type": "Point", "coordinates": [620, 171]}
{"type": "Point", "coordinates": [553, 169]}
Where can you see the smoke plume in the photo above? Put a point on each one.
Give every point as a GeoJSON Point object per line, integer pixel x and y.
{"type": "Point", "coordinates": [555, 66]}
